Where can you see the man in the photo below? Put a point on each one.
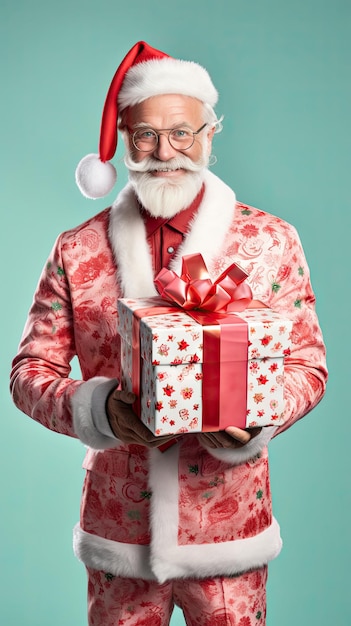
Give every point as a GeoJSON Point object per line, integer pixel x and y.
{"type": "Point", "coordinates": [192, 525]}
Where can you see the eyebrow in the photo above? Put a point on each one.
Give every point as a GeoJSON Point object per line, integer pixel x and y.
{"type": "Point", "coordinates": [145, 125]}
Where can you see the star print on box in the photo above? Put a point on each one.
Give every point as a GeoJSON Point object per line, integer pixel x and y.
{"type": "Point", "coordinates": [171, 355]}
{"type": "Point", "coordinates": [269, 343]}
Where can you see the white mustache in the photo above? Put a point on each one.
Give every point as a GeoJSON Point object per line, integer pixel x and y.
{"type": "Point", "coordinates": [149, 164]}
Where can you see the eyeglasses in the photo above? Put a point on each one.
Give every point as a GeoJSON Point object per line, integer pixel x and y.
{"type": "Point", "coordinates": [146, 139]}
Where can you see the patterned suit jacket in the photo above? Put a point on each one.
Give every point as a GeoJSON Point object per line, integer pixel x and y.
{"type": "Point", "coordinates": [191, 511]}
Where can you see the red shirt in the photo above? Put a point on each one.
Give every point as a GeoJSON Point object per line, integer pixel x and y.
{"type": "Point", "coordinates": [165, 236]}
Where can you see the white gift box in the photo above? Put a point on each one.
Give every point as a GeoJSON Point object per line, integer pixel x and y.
{"type": "Point", "coordinates": [172, 383]}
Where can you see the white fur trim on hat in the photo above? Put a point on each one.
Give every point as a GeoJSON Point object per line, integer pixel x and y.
{"type": "Point", "coordinates": [166, 76]}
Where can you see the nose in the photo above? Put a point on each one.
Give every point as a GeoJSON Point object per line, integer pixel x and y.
{"type": "Point", "coordinates": [164, 151]}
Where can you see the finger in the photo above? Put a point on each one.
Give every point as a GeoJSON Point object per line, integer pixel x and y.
{"type": "Point", "coordinates": [208, 440]}
{"type": "Point", "coordinates": [159, 441]}
{"type": "Point", "coordinates": [124, 396]}
{"type": "Point", "coordinates": [255, 431]}
{"type": "Point", "coordinates": [227, 441]}
{"type": "Point", "coordinates": [237, 433]}
{"type": "Point", "coordinates": [220, 439]}
{"type": "Point", "coordinates": [144, 434]}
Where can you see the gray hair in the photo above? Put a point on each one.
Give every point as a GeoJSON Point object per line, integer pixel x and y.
{"type": "Point", "coordinates": [211, 118]}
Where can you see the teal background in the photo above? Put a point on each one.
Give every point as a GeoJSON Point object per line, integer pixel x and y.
{"type": "Point", "coordinates": [283, 73]}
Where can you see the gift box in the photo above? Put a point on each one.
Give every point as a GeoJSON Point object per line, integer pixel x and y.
{"type": "Point", "coordinates": [203, 370]}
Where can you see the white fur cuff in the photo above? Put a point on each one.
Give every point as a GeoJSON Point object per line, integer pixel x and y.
{"type": "Point", "coordinates": [236, 456]}
{"type": "Point", "coordinates": [82, 407]}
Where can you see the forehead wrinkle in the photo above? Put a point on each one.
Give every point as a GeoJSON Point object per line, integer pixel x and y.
{"type": "Point", "coordinates": [166, 111]}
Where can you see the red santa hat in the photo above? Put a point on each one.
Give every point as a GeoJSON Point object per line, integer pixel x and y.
{"type": "Point", "coordinates": [143, 73]}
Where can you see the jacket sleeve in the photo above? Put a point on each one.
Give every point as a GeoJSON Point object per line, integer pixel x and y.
{"type": "Point", "coordinates": [305, 370]}
{"type": "Point", "coordinates": [40, 380]}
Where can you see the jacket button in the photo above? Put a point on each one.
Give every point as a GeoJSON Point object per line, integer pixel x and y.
{"type": "Point", "coordinates": [170, 249]}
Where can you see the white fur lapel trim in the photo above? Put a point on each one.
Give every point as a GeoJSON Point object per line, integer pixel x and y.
{"type": "Point", "coordinates": [128, 241]}
{"type": "Point", "coordinates": [210, 226]}
{"type": "Point", "coordinates": [128, 237]}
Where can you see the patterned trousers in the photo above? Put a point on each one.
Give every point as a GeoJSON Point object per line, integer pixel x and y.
{"type": "Point", "coordinates": [237, 601]}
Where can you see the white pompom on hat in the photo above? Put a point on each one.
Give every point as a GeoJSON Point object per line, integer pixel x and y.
{"type": "Point", "coordinates": [143, 73]}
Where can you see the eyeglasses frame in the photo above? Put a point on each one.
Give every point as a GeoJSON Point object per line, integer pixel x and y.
{"type": "Point", "coordinates": [161, 132]}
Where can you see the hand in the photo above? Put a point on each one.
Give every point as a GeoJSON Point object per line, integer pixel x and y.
{"type": "Point", "coordinates": [231, 437]}
{"type": "Point", "coordinates": [126, 425]}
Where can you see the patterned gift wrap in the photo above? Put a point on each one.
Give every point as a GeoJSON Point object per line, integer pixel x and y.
{"type": "Point", "coordinates": [171, 355]}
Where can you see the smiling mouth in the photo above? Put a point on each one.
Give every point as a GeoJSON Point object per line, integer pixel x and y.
{"type": "Point", "coordinates": [167, 170]}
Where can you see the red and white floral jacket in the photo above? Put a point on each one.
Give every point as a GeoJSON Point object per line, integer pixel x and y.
{"type": "Point", "coordinates": [190, 511]}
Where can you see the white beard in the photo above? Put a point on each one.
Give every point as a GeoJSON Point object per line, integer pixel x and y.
{"type": "Point", "coordinates": [166, 197]}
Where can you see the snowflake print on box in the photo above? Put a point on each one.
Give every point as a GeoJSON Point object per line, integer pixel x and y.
{"type": "Point", "coordinates": [171, 351]}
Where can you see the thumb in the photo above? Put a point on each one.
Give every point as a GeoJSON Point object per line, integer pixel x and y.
{"type": "Point", "coordinates": [241, 435]}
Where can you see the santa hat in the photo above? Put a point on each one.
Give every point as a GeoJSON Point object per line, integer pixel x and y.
{"type": "Point", "coordinates": [143, 73]}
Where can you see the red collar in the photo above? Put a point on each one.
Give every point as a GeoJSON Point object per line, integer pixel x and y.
{"type": "Point", "coordinates": [179, 222]}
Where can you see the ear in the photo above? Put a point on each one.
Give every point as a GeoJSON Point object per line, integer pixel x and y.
{"type": "Point", "coordinates": [210, 134]}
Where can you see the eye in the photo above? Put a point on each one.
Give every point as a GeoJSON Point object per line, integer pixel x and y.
{"type": "Point", "coordinates": [180, 133]}
{"type": "Point", "coordinates": [144, 135]}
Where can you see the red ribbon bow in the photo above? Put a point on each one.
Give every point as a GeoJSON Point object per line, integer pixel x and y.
{"type": "Point", "coordinates": [194, 289]}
